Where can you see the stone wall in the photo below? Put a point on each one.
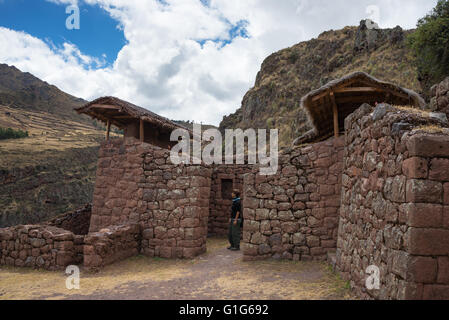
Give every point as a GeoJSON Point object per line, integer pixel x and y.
{"type": "Point", "coordinates": [394, 212]}
{"type": "Point", "coordinates": [111, 245]}
{"type": "Point", "coordinates": [77, 221]}
{"type": "Point", "coordinates": [440, 97]}
{"type": "Point", "coordinates": [294, 214]}
{"type": "Point", "coordinates": [174, 208]}
{"type": "Point", "coordinates": [220, 204]}
{"type": "Point", "coordinates": [43, 247]}
{"type": "Point", "coordinates": [117, 192]}
{"type": "Point", "coordinates": [137, 183]}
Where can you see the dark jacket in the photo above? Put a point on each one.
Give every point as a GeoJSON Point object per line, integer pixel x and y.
{"type": "Point", "coordinates": [236, 207]}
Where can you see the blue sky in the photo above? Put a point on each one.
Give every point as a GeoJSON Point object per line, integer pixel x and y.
{"type": "Point", "coordinates": [183, 59]}
{"type": "Point", "coordinates": [99, 34]}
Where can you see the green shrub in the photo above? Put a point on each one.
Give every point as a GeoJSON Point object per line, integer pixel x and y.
{"type": "Point", "coordinates": [294, 56]}
{"type": "Point", "coordinates": [430, 44]}
{"type": "Point", "coordinates": [12, 134]}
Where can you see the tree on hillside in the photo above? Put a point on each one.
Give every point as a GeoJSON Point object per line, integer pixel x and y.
{"type": "Point", "coordinates": [12, 134]}
{"type": "Point", "coordinates": [430, 43]}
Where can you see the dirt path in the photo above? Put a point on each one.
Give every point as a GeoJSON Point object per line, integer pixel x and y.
{"type": "Point", "coordinates": [219, 274]}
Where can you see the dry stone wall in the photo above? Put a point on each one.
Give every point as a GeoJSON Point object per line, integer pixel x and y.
{"type": "Point", "coordinates": [220, 199]}
{"type": "Point", "coordinates": [394, 213]}
{"type": "Point", "coordinates": [174, 207]}
{"type": "Point", "coordinates": [137, 183]}
{"type": "Point", "coordinates": [294, 214]}
{"type": "Point", "coordinates": [440, 97]}
{"type": "Point", "coordinates": [117, 192]}
{"type": "Point", "coordinates": [77, 221]}
{"type": "Point", "coordinates": [111, 245]}
{"type": "Point", "coordinates": [43, 247]}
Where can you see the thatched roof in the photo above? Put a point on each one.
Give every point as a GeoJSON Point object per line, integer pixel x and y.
{"type": "Point", "coordinates": [122, 113]}
{"type": "Point", "coordinates": [345, 95]}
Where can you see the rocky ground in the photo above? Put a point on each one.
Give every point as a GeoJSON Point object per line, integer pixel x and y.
{"type": "Point", "coordinates": [219, 274]}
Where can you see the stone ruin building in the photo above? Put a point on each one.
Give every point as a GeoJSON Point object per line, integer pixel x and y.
{"type": "Point", "coordinates": [377, 195]}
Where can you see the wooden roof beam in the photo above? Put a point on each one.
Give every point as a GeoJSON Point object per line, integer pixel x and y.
{"type": "Point", "coordinates": [357, 89]}
{"type": "Point", "coordinates": [124, 117]}
{"type": "Point", "coordinates": [104, 107]}
{"type": "Point", "coordinates": [341, 85]}
{"type": "Point", "coordinates": [359, 99]}
{"type": "Point", "coordinates": [335, 112]}
{"type": "Point", "coordinates": [393, 92]}
{"type": "Point", "coordinates": [105, 120]}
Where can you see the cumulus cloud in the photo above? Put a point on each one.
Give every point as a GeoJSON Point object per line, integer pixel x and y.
{"type": "Point", "coordinates": [191, 59]}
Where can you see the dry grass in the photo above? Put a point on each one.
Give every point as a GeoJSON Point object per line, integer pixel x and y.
{"type": "Point", "coordinates": [431, 129]}
{"type": "Point", "coordinates": [27, 283]}
{"type": "Point", "coordinates": [253, 280]}
{"type": "Point", "coordinates": [410, 109]}
{"type": "Point", "coordinates": [32, 284]}
{"type": "Point", "coordinates": [48, 135]}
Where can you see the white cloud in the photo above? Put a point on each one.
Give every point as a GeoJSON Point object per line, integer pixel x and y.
{"type": "Point", "coordinates": [163, 68]}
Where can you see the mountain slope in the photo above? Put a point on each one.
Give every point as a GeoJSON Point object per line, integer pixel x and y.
{"type": "Point", "coordinates": [286, 76]}
{"type": "Point", "coordinates": [53, 169]}
{"type": "Point", "coordinates": [22, 90]}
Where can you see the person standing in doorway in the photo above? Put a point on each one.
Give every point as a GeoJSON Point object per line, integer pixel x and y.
{"type": "Point", "coordinates": [235, 222]}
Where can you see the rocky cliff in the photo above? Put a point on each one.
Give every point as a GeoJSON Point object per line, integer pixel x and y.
{"type": "Point", "coordinates": [287, 75]}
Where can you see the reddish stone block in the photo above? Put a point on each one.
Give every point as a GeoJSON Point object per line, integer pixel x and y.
{"type": "Point", "coordinates": [424, 191]}
{"type": "Point", "coordinates": [415, 168]}
{"type": "Point", "coordinates": [64, 258]}
{"type": "Point", "coordinates": [327, 190]}
{"type": "Point", "coordinates": [443, 270]}
{"type": "Point", "coordinates": [446, 193]}
{"type": "Point", "coordinates": [439, 169]}
{"type": "Point", "coordinates": [445, 223]}
{"type": "Point", "coordinates": [436, 292]}
{"type": "Point", "coordinates": [165, 252]}
{"type": "Point", "coordinates": [189, 253]}
{"type": "Point", "coordinates": [323, 162]}
{"type": "Point", "coordinates": [422, 269]}
{"type": "Point", "coordinates": [413, 291]}
{"type": "Point", "coordinates": [428, 242]}
{"type": "Point", "coordinates": [290, 227]}
{"type": "Point", "coordinates": [64, 245]}
{"type": "Point", "coordinates": [428, 146]}
{"type": "Point", "coordinates": [354, 172]}
{"type": "Point", "coordinates": [92, 261]}
{"type": "Point", "coordinates": [422, 215]}
{"type": "Point", "coordinates": [331, 211]}
{"type": "Point", "coordinates": [328, 243]}
{"type": "Point", "coordinates": [317, 251]}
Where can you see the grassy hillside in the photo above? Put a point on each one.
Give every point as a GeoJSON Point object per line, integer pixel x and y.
{"type": "Point", "coordinates": [49, 172]}
{"type": "Point", "coordinates": [286, 76]}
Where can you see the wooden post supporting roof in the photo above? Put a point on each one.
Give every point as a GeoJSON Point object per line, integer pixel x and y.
{"type": "Point", "coordinates": [142, 131]}
{"type": "Point", "coordinates": [108, 130]}
{"type": "Point", "coordinates": [335, 111]}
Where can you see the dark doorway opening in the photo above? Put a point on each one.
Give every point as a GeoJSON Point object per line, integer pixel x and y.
{"type": "Point", "coordinates": [226, 188]}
